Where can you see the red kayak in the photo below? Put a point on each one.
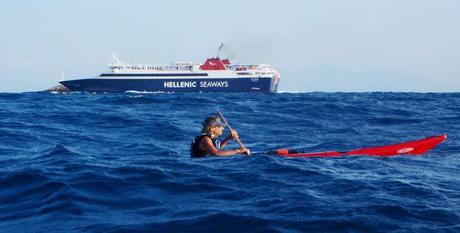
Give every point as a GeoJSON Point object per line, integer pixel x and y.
{"type": "Point", "coordinates": [416, 147]}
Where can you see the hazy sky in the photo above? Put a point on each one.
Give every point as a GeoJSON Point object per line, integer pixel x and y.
{"type": "Point", "coordinates": [322, 45]}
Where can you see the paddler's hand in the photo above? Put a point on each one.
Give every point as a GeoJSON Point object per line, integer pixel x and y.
{"type": "Point", "coordinates": [233, 135]}
{"type": "Point", "coordinates": [244, 151]}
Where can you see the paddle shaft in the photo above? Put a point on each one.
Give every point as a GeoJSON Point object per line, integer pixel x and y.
{"type": "Point", "coordinates": [229, 127]}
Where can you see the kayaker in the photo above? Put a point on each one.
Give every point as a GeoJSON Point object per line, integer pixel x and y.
{"type": "Point", "coordinates": [208, 144]}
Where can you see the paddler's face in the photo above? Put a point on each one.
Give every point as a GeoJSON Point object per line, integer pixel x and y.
{"type": "Point", "coordinates": [217, 130]}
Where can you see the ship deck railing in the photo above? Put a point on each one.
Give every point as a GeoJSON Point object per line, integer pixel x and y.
{"type": "Point", "coordinates": [154, 68]}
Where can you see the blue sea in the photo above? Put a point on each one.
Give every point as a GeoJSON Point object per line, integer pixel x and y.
{"type": "Point", "coordinates": [83, 162]}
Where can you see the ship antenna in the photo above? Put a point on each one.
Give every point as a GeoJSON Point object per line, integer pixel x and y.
{"type": "Point", "coordinates": [114, 56]}
{"type": "Point", "coordinates": [62, 76]}
{"type": "Point", "coordinates": [220, 47]}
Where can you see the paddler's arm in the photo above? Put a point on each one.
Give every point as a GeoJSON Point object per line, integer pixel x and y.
{"type": "Point", "coordinates": [211, 149]}
{"type": "Point", "coordinates": [233, 134]}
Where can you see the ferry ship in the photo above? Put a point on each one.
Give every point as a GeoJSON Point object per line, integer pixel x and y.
{"type": "Point", "coordinates": [214, 75]}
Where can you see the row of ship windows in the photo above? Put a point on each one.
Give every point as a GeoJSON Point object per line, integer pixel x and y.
{"type": "Point", "coordinates": [156, 68]}
{"type": "Point", "coordinates": [250, 73]}
{"type": "Point", "coordinates": [148, 75]}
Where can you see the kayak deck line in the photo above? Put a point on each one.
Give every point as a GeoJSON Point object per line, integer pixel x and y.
{"type": "Point", "coordinates": [416, 147]}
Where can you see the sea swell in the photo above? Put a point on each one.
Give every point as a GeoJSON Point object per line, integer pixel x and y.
{"type": "Point", "coordinates": [81, 162]}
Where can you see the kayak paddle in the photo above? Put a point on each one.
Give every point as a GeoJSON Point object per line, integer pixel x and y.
{"type": "Point", "coordinates": [229, 127]}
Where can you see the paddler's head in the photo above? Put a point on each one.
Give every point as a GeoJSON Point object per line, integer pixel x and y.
{"type": "Point", "coordinates": [213, 126]}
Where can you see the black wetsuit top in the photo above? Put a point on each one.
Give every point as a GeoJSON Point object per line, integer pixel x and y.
{"type": "Point", "coordinates": [195, 149]}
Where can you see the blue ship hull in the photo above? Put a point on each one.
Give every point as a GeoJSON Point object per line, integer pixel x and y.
{"type": "Point", "coordinates": [117, 85]}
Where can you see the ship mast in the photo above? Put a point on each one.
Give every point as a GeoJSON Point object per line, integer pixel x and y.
{"type": "Point", "coordinates": [220, 47]}
{"type": "Point", "coordinates": [116, 62]}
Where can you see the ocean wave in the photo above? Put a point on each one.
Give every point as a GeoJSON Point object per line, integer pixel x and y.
{"type": "Point", "coordinates": [394, 121]}
{"type": "Point", "coordinates": [83, 162]}
{"type": "Point", "coordinates": [222, 222]}
{"type": "Point", "coordinates": [27, 194]}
